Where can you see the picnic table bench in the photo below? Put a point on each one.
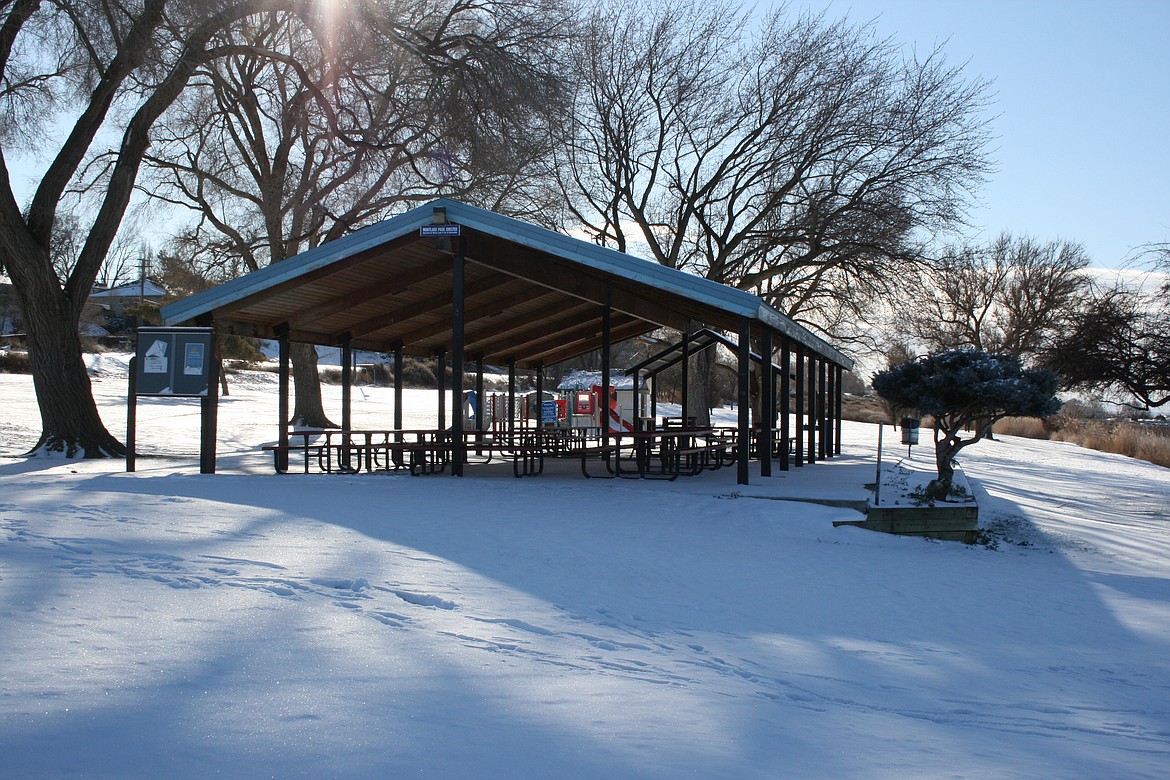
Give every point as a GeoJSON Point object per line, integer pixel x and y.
{"type": "Point", "coordinates": [666, 453]}
{"type": "Point", "coordinates": [710, 453]}
{"type": "Point", "coordinates": [334, 451]}
{"type": "Point", "coordinates": [608, 453]}
{"type": "Point", "coordinates": [525, 447]}
{"type": "Point", "coordinates": [349, 452]}
{"type": "Point", "coordinates": [669, 453]}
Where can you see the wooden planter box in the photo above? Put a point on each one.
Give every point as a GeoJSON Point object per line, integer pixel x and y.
{"type": "Point", "coordinates": [952, 523]}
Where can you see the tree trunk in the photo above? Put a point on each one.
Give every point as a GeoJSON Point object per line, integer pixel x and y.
{"type": "Point", "coordinates": [308, 409]}
{"type": "Point", "coordinates": [944, 458]}
{"type": "Point", "coordinates": [701, 384]}
{"type": "Point", "coordinates": [756, 394]}
{"type": "Point", "coordinates": [70, 423]}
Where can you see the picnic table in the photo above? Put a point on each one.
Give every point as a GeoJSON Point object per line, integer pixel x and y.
{"type": "Point", "coordinates": [348, 452]}
{"type": "Point", "coordinates": [421, 451]}
{"type": "Point", "coordinates": [779, 444]}
{"type": "Point", "coordinates": [665, 453]}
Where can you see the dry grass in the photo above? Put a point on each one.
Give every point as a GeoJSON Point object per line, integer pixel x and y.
{"type": "Point", "coordinates": [864, 408]}
{"type": "Point", "coordinates": [1121, 438]}
{"type": "Point", "coordinates": [1028, 427]}
{"type": "Point", "coordinates": [1117, 436]}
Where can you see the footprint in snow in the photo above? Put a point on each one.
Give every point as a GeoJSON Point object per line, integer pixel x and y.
{"type": "Point", "coordinates": [519, 625]}
{"type": "Point", "coordinates": [279, 590]}
{"type": "Point", "coordinates": [243, 561]}
{"type": "Point", "coordinates": [356, 586]}
{"type": "Point", "coordinates": [392, 619]}
{"type": "Point", "coordinates": [424, 600]}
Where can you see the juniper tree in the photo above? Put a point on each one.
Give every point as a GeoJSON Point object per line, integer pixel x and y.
{"type": "Point", "coordinates": [966, 390]}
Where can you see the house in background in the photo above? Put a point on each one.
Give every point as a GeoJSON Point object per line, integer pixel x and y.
{"type": "Point", "coordinates": [115, 300]}
{"type": "Point", "coordinates": [108, 306]}
{"type": "Point", "coordinates": [105, 312]}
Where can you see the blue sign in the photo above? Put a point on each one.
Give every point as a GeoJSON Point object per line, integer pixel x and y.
{"type": "Point", "coordinates": [548, 411]}
{"type": "Point", "coordinates": [440, 230]}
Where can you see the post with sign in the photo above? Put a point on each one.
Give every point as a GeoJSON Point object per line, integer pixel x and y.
{"type": "Point", "coordinates": [176, 363]}
{"type": "Point", "coordinates": [209, 408]}
{"type": "Point", "coordinates": [910, 432]}
{"type": "Point", "coordinates": [131, 412]}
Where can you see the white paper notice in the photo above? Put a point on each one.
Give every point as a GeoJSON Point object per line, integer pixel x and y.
{"type": "Point", "coordinates": [156, 359]}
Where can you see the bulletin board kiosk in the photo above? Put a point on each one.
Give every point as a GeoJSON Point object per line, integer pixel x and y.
{"type": "Point", "coordinates": [175, 363]}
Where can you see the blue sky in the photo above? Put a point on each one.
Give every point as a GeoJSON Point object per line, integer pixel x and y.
{"type": "Point", "coordinates": [1082, 114]}
{"type": "Point", "coordinates": [1082, 111]}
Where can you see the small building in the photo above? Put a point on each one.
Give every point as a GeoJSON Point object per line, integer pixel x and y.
{"type": "Point", "coordinates": [581, 392]}
{"type": "Point", "coordinates": [115, 300]}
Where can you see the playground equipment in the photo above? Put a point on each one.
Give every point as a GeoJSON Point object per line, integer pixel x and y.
{"type": "Point", "coordinates": [582, 394]}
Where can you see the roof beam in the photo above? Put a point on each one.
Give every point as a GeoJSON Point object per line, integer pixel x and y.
{"type": "Point", "coordinates": [545, 320]}
{"type": "Point", "coordinates": [577, 282]}
{"type": "Point", "coordinates": [393, 285]}
{"type": "Point", "coordinates": [564, 350]}
{"type": "Point", "coordinates": [486, 309]}
{"type": "Point", "coordinates": [429, 305]}
{"type": "Point", "coordinates": [523, 346]}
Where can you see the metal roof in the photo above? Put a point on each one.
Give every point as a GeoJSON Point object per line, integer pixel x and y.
{"type": "Point", "coordinates": [531, 295]}
{"type": "Point", "coordinates": [132, 290]}
{"type": "Point", "coordinates": [587, 380]}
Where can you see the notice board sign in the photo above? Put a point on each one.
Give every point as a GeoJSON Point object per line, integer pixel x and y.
{"type": "Point", "coordinates": [441, 230]}
{"type": "Point", "coordinates": [174, 361]}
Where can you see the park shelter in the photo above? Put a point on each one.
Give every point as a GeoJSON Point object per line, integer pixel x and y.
{"type": "Point", "coordinates": [451, 280]}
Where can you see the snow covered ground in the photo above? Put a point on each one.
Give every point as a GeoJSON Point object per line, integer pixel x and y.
{"type": "Point", "coordinates": [172, 624]}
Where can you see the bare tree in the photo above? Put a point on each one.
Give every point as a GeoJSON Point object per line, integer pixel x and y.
{"type": "Point", "coordinates": [108, 71]}
{"type": "Point", "coordinates": [291, 142]}
{"type": "Point", "coordinates": [1012, 296]}
{"type": "Point", "coordinates": [252, 151]}
{"type": "Point", "coordinates": [124, 260]}
{"type": "Point", "coordinates": [766, 162]}
{"type": "Point", "coordinates": [1120, 342]}
{"type": "Point", "coordinates": [796, 163]}
{"type": "Point", "coordinates": [130, 259]}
